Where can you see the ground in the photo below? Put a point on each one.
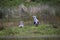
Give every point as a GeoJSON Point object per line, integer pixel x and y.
{"type": "Point", "coordinates": [30, 31]}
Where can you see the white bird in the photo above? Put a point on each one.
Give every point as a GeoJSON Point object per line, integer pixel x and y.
{"type": "Point", "coordinates": [36, 21]}
{"type": "Point", "coordinates": [21, 24]}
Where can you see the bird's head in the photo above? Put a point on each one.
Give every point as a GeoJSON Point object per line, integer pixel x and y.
{"type": "Point", "coordinates": [34, 17]}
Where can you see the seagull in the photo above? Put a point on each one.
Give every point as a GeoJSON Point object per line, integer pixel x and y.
{"type": "Point", "coordinates": [36, 21]}
{"type": "Point", "coordinates": [21, 24]}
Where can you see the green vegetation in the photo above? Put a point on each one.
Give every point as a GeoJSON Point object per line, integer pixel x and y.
{"type": "Point", "coordinates": [30, 31]}
{"type": "Point", "coordinates": [11, 3]}
{"type": "Point", "coordinates": [27, 30]}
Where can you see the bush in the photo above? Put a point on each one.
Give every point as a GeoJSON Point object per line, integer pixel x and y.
{"type": "Point", "coordinates": [10, 3]}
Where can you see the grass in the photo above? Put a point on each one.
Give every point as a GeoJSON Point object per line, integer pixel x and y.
{"type": "Point", "coordinates": [12, 3]}
{"type": "Point", "coordinates": [30, 31]}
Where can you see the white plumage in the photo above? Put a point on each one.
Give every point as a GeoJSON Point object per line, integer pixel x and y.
{"type": "Point", "coordinates": [21, 24]}
{"type": "Point", "coordinates": [36, 22]}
